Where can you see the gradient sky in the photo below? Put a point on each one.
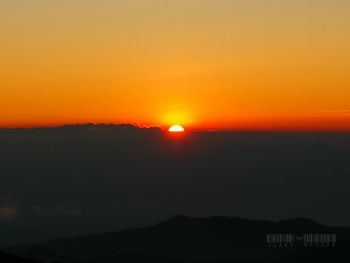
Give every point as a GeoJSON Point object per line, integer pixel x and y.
{"type": "Point", "coordinates": [216, 64]}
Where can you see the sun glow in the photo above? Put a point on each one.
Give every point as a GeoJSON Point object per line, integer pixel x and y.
{"type": "Point", "coordinates": [176, 128]}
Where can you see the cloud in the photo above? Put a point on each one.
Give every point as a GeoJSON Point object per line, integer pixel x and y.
{"type": "Point", "coordinates": [337, 112]}
{"type": "Point", "coordinates": [8, 212]}
{"type": "Point", "coordinates": [8, 208]}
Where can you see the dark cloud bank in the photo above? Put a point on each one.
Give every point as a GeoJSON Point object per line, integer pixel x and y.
{"type": "Point", "coordinates": [76, 180]}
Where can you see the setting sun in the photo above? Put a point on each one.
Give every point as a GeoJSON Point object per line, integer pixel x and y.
{"type": "Point", "coordinates": [176, 128]}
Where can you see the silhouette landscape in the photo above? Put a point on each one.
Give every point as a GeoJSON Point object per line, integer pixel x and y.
{"type": "Point", "coordinates": [185, 239]}
{"type": "Point", "coordinates": [91, 179]}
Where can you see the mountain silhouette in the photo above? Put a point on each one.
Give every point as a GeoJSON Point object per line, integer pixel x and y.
{"type": "Point", "coordinates": [187, 239]}
{"type": "Point", "coordinates": [8, 258]}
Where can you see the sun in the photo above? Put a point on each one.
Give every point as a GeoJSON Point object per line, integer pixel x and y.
{"type": "Point", "coordinates": [176, 128]}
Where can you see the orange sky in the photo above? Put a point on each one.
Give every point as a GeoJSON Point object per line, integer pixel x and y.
{"type": "Point", "coordinates": [205, 64]}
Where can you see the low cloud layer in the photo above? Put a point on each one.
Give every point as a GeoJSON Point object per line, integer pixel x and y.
{"type": "Point", "coordinates": [8, 208]}
{"type": "Point", "coordinates": [8, 212]}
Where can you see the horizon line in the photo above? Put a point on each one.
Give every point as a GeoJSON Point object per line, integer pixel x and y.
{"type": "Point", "coordinates": [165, 127]}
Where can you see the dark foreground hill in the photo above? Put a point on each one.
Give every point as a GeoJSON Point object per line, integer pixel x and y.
{"type": "Point", "coordinates": [185, 239]}
{"type": "Point", "coordinates": [8, 258]}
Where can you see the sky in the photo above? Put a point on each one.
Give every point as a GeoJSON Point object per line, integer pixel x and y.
{"type": "Point", "coordinates": [204, 64]}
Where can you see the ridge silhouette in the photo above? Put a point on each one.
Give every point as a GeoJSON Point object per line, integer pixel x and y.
{"type": "Point", "coordinates": [191, 239]}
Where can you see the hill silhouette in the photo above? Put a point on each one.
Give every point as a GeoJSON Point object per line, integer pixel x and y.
{"type": "Point", "coordinates": [188, 239]}
{"type": "Point", "coordinates": [9, 258]}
